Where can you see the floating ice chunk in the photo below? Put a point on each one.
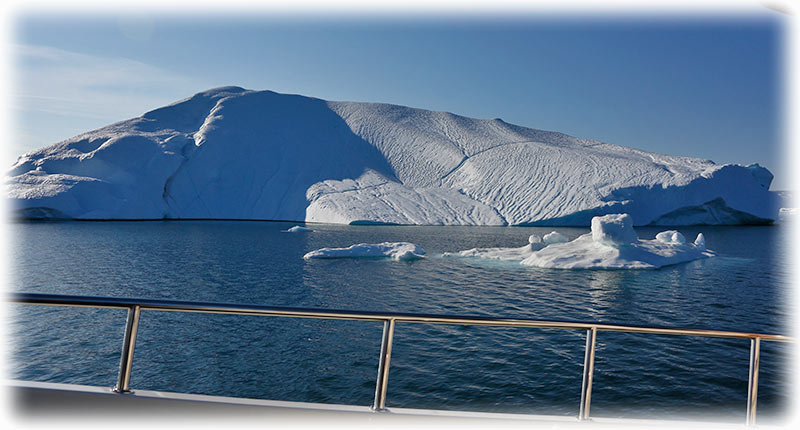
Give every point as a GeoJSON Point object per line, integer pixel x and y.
{"type": "Point", "coordinates": [535, 243]}
{"type": "Point", "coordinates": [670, 236]}
{"type": "Point", "coordinates": [298, 229]}
{"type": "Point", "coordinates": [407, 255]}
{"type": "Point", "coordinates": [613, 244]}
{"type": "Point", "coordinates": [393, 250]}
{"type": "Point", "coordinates": [507, 254]}
{"type": "Point", "coordinates": [554, 237]}
{"type": "Point", "coordinates": [788, 214]}
{"type": "Point", "coordinates": [700, 242]}
{"type": "Point", "coordinates": [614, 229]}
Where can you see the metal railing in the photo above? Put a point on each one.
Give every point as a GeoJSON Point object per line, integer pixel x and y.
{"type": "Point", "coordinates": [136, 306]}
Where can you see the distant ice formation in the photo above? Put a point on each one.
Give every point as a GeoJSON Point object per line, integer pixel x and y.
{"type": "Point", "coordinates": [231, 153]}
{"type": "Point", "coordinates": [613, 244]}
{"type": "Point", "coordinates": [788, 213]}
{"type": "Point", "coordinates": [393, 250]}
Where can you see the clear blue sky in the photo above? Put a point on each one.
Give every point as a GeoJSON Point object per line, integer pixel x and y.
{"type": "Point", "coordinates": [706, 87]}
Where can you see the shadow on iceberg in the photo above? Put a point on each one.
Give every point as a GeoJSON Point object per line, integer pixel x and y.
{"type": "Point", "coordinates": [227, 153]}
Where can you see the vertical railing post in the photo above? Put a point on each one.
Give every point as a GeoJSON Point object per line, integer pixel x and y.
{"type": "Point", "coordinates": [126, 359]}
{"type": "Point", "coordinates": [383, 366]}
{"type": "Point", "coordinates": [588, 373]}
{"type": "Point", "coordinates": [752, 380]}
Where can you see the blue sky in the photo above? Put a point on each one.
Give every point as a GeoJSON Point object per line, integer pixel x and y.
{"type": "Point", "coordinates": [703, 86]}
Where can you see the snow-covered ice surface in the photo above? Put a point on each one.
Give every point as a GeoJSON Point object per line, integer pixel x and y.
{"type": "Point", "coordinates": [231, 153]}
{"type": "Point", "coordinates": [298, 229]}
{"type": "Point", "coordinates": [554, 237]}
{"type": "Point", "coordinates": [508, 254]}
{"type": "Point", "coordinates": [535, 243]}
{"type": "Point", "coordinates": [613, 244]}
{"type": "Point", "coordinates": [394, 250]}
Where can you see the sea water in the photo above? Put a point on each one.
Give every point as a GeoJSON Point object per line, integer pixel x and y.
{"type": "Point", "coordinates": [518, 370]}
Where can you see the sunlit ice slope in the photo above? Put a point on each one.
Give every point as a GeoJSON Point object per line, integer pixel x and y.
{"type": "Point", "coordinates": [231, 153]}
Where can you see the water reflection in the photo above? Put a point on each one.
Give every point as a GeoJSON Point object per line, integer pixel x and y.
{"type": "Point", "coordinates": [605, 290]}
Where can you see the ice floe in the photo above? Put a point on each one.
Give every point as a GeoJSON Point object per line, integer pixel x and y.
{"type": "Point", "coordinates": [512, 254]}
{"type": "Point", "coordinates": [785, 214]}
{"type": "Point", "coordinates": [535, 243]}
{"type": "Point", "coordinates": [613, 244]}
{"type": "Point", "coordinates": [298, 229]}
{"type": "Point", "coordinates": [393, 250]}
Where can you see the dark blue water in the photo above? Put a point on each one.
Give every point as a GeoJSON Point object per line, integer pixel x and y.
{"type": "Point", "coordinates": [745, 288]}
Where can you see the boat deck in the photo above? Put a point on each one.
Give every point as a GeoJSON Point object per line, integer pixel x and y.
{"type": "Point", "coordinates": [43, 401]}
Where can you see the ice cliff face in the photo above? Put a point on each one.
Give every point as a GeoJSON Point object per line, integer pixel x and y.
{"type": "Point", "coordinates": [231, 153]}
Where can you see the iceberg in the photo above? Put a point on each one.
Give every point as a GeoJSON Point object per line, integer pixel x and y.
{"type": "Point", "coordinates": [785, 214]}
{"type": "Point", "coordinates": [395, 250]}
{"type": "Point", "coordinates": [298, 229]}
{"type": "Point", "coordinates": [232, 153]}
{"type": "Point", "coordinates": [613, 244]}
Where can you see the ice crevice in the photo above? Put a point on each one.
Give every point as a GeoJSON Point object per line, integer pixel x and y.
{"type": "Point", "coordinates": [468, 157]}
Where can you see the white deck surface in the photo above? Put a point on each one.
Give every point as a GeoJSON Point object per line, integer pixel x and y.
{"type": "Point", "coordinates": [41, 403]}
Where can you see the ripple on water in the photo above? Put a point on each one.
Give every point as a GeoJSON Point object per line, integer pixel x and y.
{"type": "Point", "coordinates": [475, 368]}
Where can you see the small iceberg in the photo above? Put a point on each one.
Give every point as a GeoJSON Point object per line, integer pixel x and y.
{"type": "Point", "coordinates": [394, 250]}
{"type": "Point", "coordinates": [788, 213]}
{"type": "Point", "coordinates": [613, 244]}
{"type": "Point", "coordinates": [535, 243]}
{"type": "Point", "coordinates": [298, 229]}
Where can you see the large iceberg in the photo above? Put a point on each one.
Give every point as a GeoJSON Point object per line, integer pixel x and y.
{"type": "Point", "coordinates": [613, 244]}
{"type": "Point", "coordinates": [231, 153]}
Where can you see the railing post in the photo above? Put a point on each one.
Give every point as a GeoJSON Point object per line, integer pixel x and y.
{"type": "Point", "coordinates": [752, 380]}
{"type": "Point", "coordinates": [126, 359]}
{"type": "Point", "coordinates": [588, 373]}
{"type": "Point", "coordinates": [383, 366]}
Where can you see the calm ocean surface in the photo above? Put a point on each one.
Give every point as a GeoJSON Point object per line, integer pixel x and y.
{"type": "Point", "coordinates": [744, 288]}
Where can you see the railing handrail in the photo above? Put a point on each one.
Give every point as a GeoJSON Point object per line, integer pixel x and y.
{"type": "Point", "coordinates": [242, 309]}
{"type": "Point", "coordinates": [389, 319]}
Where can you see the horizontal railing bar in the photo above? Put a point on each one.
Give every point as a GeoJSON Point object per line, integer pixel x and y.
{"type": "Point", "coordinates": [258, 310]}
